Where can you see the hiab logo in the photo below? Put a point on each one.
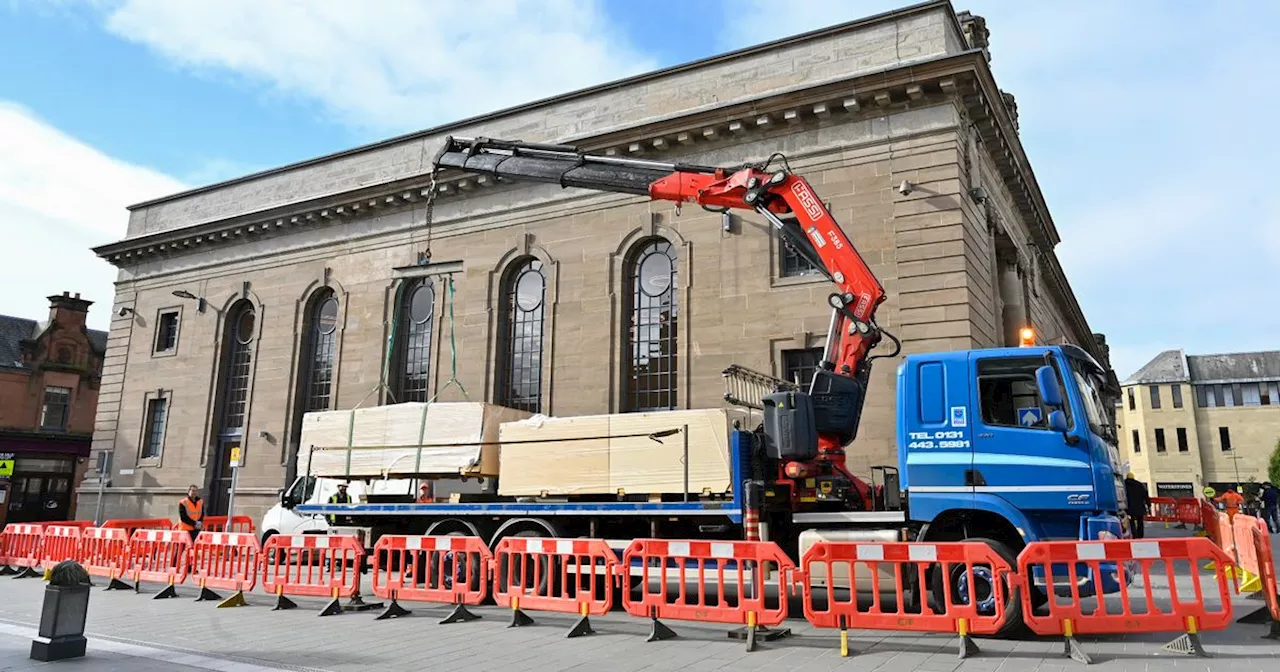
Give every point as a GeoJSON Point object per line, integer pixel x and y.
{"type": "Point", "coordinates": [807, 200]}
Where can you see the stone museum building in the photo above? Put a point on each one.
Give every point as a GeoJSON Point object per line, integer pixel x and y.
{"type": "Point", "coordinates": [306, 287]}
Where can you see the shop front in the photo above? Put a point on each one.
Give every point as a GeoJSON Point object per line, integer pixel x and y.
{"type": "Point", "coordinates": [38, 477]}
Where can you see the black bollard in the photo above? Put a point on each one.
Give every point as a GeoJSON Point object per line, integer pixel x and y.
{"type": "Point", "coordinates": [66, 604]}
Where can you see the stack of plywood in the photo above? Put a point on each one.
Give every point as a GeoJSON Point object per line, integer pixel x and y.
{"type": "Point", "coordinates": [436, 439]}
{"type": "Point", "coordinates": [602, 454]}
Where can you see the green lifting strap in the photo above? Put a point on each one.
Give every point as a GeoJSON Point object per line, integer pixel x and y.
{"type": "Point", "coordinates": [453, 345]}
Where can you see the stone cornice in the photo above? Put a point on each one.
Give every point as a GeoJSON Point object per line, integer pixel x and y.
{"type": "Point", "coordinates": [931, 83]}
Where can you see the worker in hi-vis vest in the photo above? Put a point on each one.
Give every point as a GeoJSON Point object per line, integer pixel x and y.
{"type": "Point", "coordinates": [191, 512]}
{"type": "Point", "coordinates": [339, 497]}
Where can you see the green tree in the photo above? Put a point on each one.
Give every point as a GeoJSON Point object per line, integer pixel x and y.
{"type": "Point", "coordinates": [1273, 467]}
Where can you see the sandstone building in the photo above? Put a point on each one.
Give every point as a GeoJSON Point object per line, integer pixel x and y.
{"type": "Point", "coordinates": [50, 372]}
{"type": "Point", "coordinates": [1190, 421]}
{"type": "Point", "coordinates": [302, 287]}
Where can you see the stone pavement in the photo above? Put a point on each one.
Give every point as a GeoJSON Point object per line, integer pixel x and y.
{"type": "Point", "coordinates": [134, 632]}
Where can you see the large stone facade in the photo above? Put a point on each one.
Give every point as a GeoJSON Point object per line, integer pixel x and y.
{"type": "Point", "coordinates": [965, 251]}
{"type": "Point", "coordinates": [1190, 421]}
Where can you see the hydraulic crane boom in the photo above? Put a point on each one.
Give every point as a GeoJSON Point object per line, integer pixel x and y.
{"type": "Point", "coordinates": [833, 406]}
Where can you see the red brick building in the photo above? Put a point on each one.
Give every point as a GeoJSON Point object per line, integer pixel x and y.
{"type": "Point", "coordinates": [50, 372]}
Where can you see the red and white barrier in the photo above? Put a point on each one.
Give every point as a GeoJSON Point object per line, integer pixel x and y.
{"type": "Point", "coordinates": [572, 576]}
{"type": "Point", "coordinates": [441, 569]}
{"type": "Point", "coordinates": [312, 565]}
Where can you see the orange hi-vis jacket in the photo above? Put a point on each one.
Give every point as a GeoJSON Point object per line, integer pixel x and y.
{"type": "Point", "coordinates": [195, 511]}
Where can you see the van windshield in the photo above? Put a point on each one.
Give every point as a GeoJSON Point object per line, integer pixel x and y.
{"type": "Point", "coordinates": [302, 489]}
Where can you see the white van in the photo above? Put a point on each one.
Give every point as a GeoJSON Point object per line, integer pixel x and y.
{"type": "Point", "coordinates": [283, 518]}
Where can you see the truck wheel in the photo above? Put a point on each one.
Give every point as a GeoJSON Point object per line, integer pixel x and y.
{"type": "Point", "coordinates": [533, 577]}
{"type": "Point", "coordinates": [984, 579]}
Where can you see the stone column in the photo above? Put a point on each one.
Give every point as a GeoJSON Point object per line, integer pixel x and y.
{"type": "Point", "coordinates": [1012, 298]}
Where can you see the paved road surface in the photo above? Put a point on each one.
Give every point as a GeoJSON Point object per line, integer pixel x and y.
{"type": "Point", "coordinates": [133, 632]}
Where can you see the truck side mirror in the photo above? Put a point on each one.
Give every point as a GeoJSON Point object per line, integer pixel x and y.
{"type": "Point", "coordinates": [1049, 389]}
{"type": "Point", "coordinates": [1058, 421]}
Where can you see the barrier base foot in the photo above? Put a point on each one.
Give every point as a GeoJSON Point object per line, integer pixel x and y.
{"type": "Point", "coordinates": [1189, 644]}
{"type": "Point", "coordinates": [334, 607]}
{"type": "Point", "coordinates": [26, 573]}
{"type": "Point", "coordinates": [393, 610]}
{"type": "Point", "coordinates": [1257, 617]}
{"type": "Point", "coordinates": [1071, 649]}
{"type": "Point", "coordinates": [519, 619]}
{"type": "Point", "coordinates": [762, 633]}
{"type": "Point", "coordinates": [117, 584]}
{"type": "Point", "coordinates": [7, 571]}
{"type": "Point", "coordinates": [207, 595]}
{"type": "Point", "coordinates": [168, 592]}
{"type": "Point", "coordinates": [356, 603]}
{"type": "Point", "coordinates": [660, 632]}
{"type": "Point", "coordinates": [460, 614]}
{"type": "Point", "coordinates": [1273, 631]}
{"type": "Point", "coordinates": [582, 627]}
{"type": "Point", "coordinates": [236, 600]}
{"type": "Point", "coordinates": [968, 647]}
{"type": "Point", "coordinates": [283, 602]}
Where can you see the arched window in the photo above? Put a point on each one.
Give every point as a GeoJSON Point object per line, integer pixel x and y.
{"type": "Point", "coordinates": [650, 350]}
{"type": "Point", "coordinates": [237, 362]}
{"type": "Point", "coordinates": [321, 343]}
{"type": "Point", "coordinates": [520, 371]}
{"type": "Point", "coordinates": [241, 330]}
{"type": "Point", "coordinates": [417, 307]}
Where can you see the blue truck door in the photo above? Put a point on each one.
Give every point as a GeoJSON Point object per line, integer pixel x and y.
{"type": "Point", "coordinates": [1015, 455]}
{"type": "Point", "coordinates": [934, 432]}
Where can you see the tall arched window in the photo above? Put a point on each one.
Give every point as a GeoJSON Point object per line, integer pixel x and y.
{"type": "Point", "coordinates": [520, 370]}
{"type": "Point", "coordinates": [237, 358]}
{"type": "Point", "coordinates": [417, 307]}
{"type": "Point", "coordinates": [650, 349]}
{"type": "Point", "coordinates": [321, 343]}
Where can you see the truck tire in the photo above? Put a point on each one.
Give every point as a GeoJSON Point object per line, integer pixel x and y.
{"type": "Point", "coordinates": [957, 584]}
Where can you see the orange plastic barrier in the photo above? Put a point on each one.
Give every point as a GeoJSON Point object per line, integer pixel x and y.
{"type": "Point", "coordinates": [20, 547]}
{"type": "Point", "coordinates": [742, 573]}
{"type": "Point", "coordinates": [61, 542]}
{"type": "Point", "coordinates": [1242, 531]}
{"type": "Point", "coordinates": [572, 576]}
{"type": "Point", "coordinates": [161, 556]}
{"type": "Point", "coordinates": [1163, 510]}
{"type": "Point", "coordinates": [326, 566]}
{"type": "Point", "coordinates": [1189, 511]}
{"type": "Point", "coordinates": [226, 560]}
{"type": "Point", "coordinates": [1061, 564]}
{"type": "Point", "coordinates": [901, 578]}
{"type": "Point", "coordinates": [449, 570]}
{"type": "Point", "coordinates": [130, 525]}
{"type": "Point", "coordinates": [105, 553]}
{"type": "Point", "coordinates": [1269, 614]}
{"type": "Point", "coordinates": [241, 524]}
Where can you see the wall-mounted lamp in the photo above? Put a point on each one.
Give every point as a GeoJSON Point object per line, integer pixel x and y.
{"type": "Point", "coordinates": [978, 194]}
{"type": "Point", "coordinates": [184, 294]}
{"type": "Point", "coordinates": [124, 310]}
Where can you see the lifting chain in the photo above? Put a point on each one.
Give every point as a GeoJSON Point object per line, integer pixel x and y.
{"type": "Point", "coordinates": [431, 206]}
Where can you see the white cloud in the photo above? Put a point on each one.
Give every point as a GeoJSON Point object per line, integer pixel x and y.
{"type": "Point", "coordinates": [61, 197]}
{"type": "Point", "coordinates": [390, 64]}
{"type": "Point", "coordinates": [1155, 157]}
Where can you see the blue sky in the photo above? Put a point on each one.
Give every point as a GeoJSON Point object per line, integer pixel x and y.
{"type": "Point", "coordinates": [1147, 123]}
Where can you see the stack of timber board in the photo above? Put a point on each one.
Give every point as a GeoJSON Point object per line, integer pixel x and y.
{"type": "Point", "coordinates": [587, 455]}
{"type": "Point", "coordinates": [410, 439]}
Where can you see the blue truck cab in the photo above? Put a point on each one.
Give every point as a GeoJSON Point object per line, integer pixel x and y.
{"type": "Point", "coordinates": [1012, 445]}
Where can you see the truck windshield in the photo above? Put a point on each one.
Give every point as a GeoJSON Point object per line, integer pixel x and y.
{"type": "Point", "coordinates": [1089, 385]}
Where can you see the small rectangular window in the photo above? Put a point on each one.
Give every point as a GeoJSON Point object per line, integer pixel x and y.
{"type": "Point", "coordinates": [800, 365]}
{"type": "Point", "coordinates": [1224, 435]}
{"type": "Point", "coordinates": [1219, 400]}
{"type": "Point", "coordinates": [1154, 391]}
{"type": "Point", "coordinates": [153, 437]}
{"type": "Point", "coordinates": [791, 263]}
{"type": "Point", "coordinates": [1137, 445]}
{"type": "Point", "coordinates": [57, 402]}
{"type": "Point", "coordinates": [1160, 447]}
{"type": "Point", "coordinates": [1202, 396]}
{"type": "Point", "coordinates": [167, 332]}
{"type": "Point", "coordinates": [1176, 391]}
{"type": "Point", "coordinates": [1131, 402]}
{"type": "Point", "coordinates": [1249, 394]}
{"type": "Point", "coordinates": [1182, 440]}
{"type": "Point", "coordinates": [1234, 395]}
{"type": "Point", "coordinates": [1264, 393]}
